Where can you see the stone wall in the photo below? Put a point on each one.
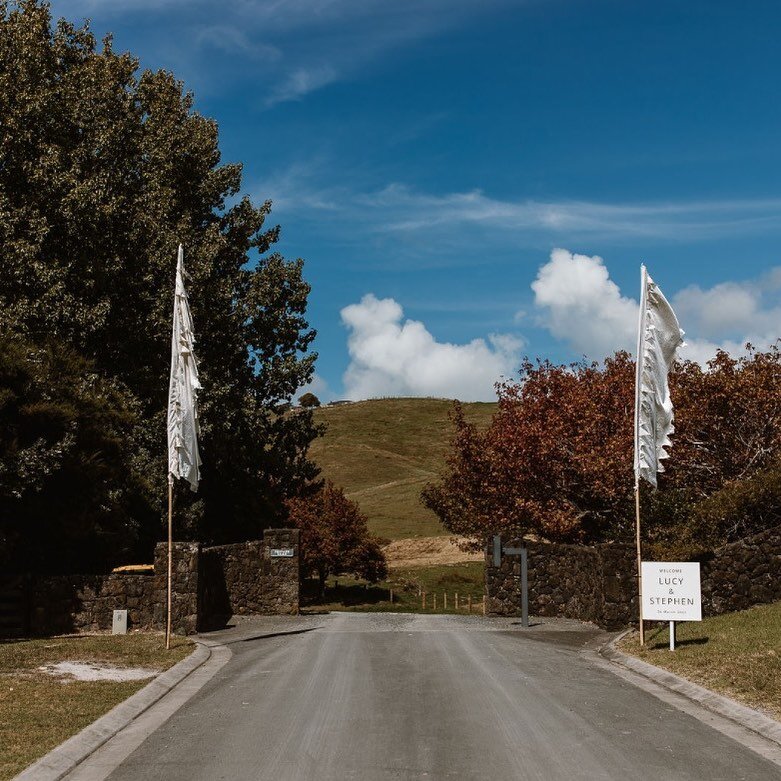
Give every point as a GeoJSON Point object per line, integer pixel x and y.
{"type": "Point", "coordinates": [232, 583]}
{"type": "Point", "coordinates": [742, 574]}
{"type": "Point", "coordinates": [208, 586]}
{"type": "Point", "coordinates": [599, 583]}
{"type": "Point", "coordinates": [245, 579]}
{"type": "Point", "coordinates": [185, 594]}
{"type": "Point", "coordinates": [86, 603]}
{"type": "Point", "coordinates": [591, 583]}
{"type": "Point", "coordinates": [280, 580]}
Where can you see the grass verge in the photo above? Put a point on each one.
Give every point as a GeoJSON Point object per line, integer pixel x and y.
{"type": "Point", "coordinates": [736, 654]}
{"type": "Point", "coordinates": [408, 585]}
{"type": "Point", "coordinates": [38, 712]}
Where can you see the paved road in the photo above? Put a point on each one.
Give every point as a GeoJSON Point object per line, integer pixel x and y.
{"type": "Point", "coordinates": [362, 696]}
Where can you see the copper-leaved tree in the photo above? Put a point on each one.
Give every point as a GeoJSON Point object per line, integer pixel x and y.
{"type": "Point", "coordinates": [334, 536]}
{"type": "Point", "coordinates": [556, 461]}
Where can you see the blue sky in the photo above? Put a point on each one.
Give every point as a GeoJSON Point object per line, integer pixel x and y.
{"type": "Point", "coordinates": [470, 182]}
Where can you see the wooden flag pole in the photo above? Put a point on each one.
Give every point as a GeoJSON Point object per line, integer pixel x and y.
{"type": "Point", "coordinates": [639, 561]}
{"type": "Point", "coordinates": [170, 562]}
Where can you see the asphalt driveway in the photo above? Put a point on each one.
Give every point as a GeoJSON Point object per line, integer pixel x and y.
{"type": "Point", "coordinates": [383, 696]}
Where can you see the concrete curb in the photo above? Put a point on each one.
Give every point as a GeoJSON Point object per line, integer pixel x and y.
{"type": "Point", "coordinates": [746, 717]}
{"type": "Point", "coordinates": [64, 758]}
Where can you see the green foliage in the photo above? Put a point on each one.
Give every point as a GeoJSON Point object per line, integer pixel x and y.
{"type": "Point", "coordinates": [104, 171]}
{"type": "Point", "coordinates": [68, 483]}
{"type": "Point", "coordinates": [309, 400]}
{"type": "Point", "coordinates": [739, 509]}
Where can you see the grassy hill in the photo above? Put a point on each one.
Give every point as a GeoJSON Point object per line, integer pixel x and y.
{"type": "Point", "coordinates": [383, 451]}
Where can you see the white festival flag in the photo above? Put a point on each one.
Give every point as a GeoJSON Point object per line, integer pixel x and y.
{"type": "Point", "coordinates": [659, 337]}
{"type": "Point", "coordinates": [183, 458]}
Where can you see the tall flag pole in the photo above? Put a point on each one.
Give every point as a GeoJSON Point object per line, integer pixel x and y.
{"type": "Point", "coordinates": [184, 461]}
{"type": "Point", "coordinates": [658, 338]}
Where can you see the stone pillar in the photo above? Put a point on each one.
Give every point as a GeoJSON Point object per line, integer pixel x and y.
{"type": "Point", "coordinates": [280, 572]}
{"type": "Point", "coordinates": [184, 587]}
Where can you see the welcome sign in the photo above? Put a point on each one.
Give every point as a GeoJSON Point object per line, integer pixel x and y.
{"type": "Point", "coordinates": [671, 591]}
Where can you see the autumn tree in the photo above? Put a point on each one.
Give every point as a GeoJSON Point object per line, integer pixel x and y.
{"type": "Point", "coordinates": [556, 460]}
{"type": "Point", "coordinates": [335, 537]}
{"type": "Point", "coordinates": [104, 170]}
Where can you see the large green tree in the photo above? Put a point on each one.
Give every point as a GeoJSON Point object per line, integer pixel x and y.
{"type": "Point", "coordinates": [104, 170]}
{"type": "Point", "coordinates": [70, 489]}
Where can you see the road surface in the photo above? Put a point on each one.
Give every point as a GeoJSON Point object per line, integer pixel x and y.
{"type": "Point", "coordinates": [379, 696]}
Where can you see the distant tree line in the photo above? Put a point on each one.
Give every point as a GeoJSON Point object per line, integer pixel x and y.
{"type": "Point", "coordinates": [557, 460]}
{"type": "Point", "coordinates": [104, 170]}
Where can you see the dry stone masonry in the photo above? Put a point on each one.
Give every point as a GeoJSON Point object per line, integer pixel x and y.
{"type": "Point", "coordinates": [599, 583]}
{"type": "Point", "coordinates": [208, 586]}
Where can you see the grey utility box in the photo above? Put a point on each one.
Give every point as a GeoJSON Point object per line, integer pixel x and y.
{"type": "Point", "coordinates": [119, 625]}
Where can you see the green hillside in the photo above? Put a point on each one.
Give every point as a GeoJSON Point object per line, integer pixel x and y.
{"type": "Point", "coordinates": [384, 451]}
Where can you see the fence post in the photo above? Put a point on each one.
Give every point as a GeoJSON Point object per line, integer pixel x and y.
{"type": "Point", "coordinates": [484, 605]}
{"type": "Point", "coordinates": [423, 603]}
{"type": "Point", "coordinates": [470, 603]}
{"type": "Point", "coordinates": [435, 601]}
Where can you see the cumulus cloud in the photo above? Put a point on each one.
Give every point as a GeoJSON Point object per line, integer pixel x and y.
{"type": "Point", "coordinates": [579, 304]}
{"type": "Point", "coordinates": [730, 309]}
{"type": "Point", "coordinates": [391, 356]}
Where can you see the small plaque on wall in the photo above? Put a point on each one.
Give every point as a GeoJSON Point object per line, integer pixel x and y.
{"type": "Point", "coordinates": [281, 553]}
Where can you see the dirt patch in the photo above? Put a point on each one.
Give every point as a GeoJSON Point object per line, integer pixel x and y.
{"type": "Point", "coordinates": [92, 671]}
{"type": "Point", "coordinates": [426, 552]}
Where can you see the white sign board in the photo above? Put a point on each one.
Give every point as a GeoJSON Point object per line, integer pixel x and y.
{"type": "Point", "coordinates": [281, 553]}
{"type": "Point", "coordinates": [119, 623]}
{"type": "Point", "coordinates": [671, 591]}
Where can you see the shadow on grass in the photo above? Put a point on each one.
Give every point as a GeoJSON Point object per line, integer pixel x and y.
{"type": "Point", "coordinates": [658, 644]}
{"type": "Point", "coordinates": [348, 596]}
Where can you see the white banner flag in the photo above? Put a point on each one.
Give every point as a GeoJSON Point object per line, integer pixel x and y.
{"type": "Point", "coordinates": [183, 458]}
{"type": "Point", "coordinates": [659, 337]}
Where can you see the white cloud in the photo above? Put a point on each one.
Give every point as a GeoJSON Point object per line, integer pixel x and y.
{"type": "Point", "coordinates": [391, 356]}
{"type": "Point", "coordinates": [399, 212]}
{"type": "Point", "coordinates": [579, 304]}
{"type": "Point", "coordinates": [300, 82]}
{"type": "Point", "coordinates": [281, 49]}
{"type": "Point", "coordinates": [731, 309]}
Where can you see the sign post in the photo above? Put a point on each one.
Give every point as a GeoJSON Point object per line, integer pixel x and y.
{"type": "Point", "coordinates": [523, 553]}
{"type": "Point", "coordinates": [671, 592]}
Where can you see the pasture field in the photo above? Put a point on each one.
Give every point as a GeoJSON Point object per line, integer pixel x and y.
{"type": "Point", "coordinates": [408, 585]}
{"type": "Point", "coordinates": [384, 451]}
